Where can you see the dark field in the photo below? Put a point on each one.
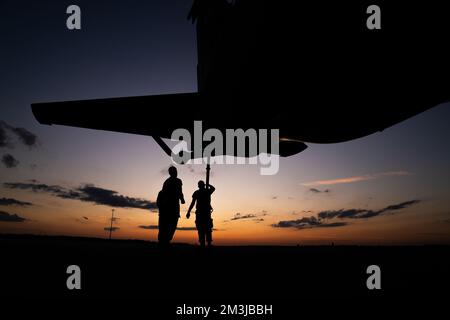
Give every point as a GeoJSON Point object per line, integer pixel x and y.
{"type": "Point", "coordinates": [35, 267]}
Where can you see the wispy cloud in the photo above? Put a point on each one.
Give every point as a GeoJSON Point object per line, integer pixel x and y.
{"type": "Point", "coordinates": [4, 140]}
{"type": "Point", "coordinates": [364, 213]}
{"type": "Point", "coordinates": [86, 193]}
{"type": "Point", "coordinates": [322, 219]}
{"type": "Point", "coordinates": [9, 161]}
{"type": "Point", "coordinates": [239, 216]}
{"type": "Point", "coordinates": [26, 137]}
{"type": "Point", "coordinates": [308, 223]}
{"type": "Point", "coordinates": [9, 217]}
{"type": "Point", "coordinates": [82, 220]}
{"type": "Point", "coordinates": [253, 216]}
{"type": "Point", "coordinates": [357, 178]}
{"type": "Point", "coordinates": [314, 190]}
{"type": "Point", "coordinates": [14, 202]}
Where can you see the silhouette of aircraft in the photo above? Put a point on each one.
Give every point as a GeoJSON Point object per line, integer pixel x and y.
{"type": "Point", "coordinates": [313, 70]}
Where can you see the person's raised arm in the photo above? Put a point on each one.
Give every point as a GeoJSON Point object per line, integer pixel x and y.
{"type": "Point", "coordinates": [211, 189]}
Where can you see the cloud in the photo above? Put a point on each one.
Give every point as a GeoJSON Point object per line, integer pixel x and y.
{"type": "Point", "coordinates": [347, 213]}
{"type": "Point", "coordinates": [254, 217]}
{"type": "Point", "coordinates": [357, 178]}
{"type": "Point", "coordinates": [303, 211]}
{"type": "Point", "coordinates": [9, 161]}
{"type": "Point", "coordinates": [37, 187]}
{"type": "Point", "coordinates": [322, 219]}
{"type": "Point", "coordinates": [83, 220]}
{"type": "Point", "coordinates": [307, 223]}
{"type": "Point", "coordinates": [239, 216]}
{"type": "Point", "coordinates": [8, 217]}
{"type": "Point", "coordinates": [150, 227]}
{"type": "Point", "coordinates": [400, 205]}
{"type": "Point", "coordinates": [364, 213]}
{"type": "Point", "coordinates": [26, 137]}
{"type": "Point", "coordinates": [87, 193]}
{"type": "Point", "coordinates": [4, 141]}
{"type": "Point", "coordinates": [91, 193]}
{"type": "Point", "coordinates": [187, 228]}
{"type": "Point", "coordinates": [13, 202]}
{"type": "Point", "coordinates": [314, 190]}
{"type": "Point", "coordinates": [155, 227]}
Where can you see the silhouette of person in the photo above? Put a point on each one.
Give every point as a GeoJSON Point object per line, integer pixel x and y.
{"type": "Point", "coordinates": [168, 203]}
{"type": "Point", "coordinates": [203, 210]}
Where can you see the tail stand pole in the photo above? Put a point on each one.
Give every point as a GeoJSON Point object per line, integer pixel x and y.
{"type": "Point", "coordinates": [208, 169]}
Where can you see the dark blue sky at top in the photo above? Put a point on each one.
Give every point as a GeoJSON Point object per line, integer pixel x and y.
{"type": "Point", "coordinates": [124, 48]}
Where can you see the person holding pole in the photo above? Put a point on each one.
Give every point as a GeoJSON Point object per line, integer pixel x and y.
{"type": "Point", "coordinates": [203, 221]}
